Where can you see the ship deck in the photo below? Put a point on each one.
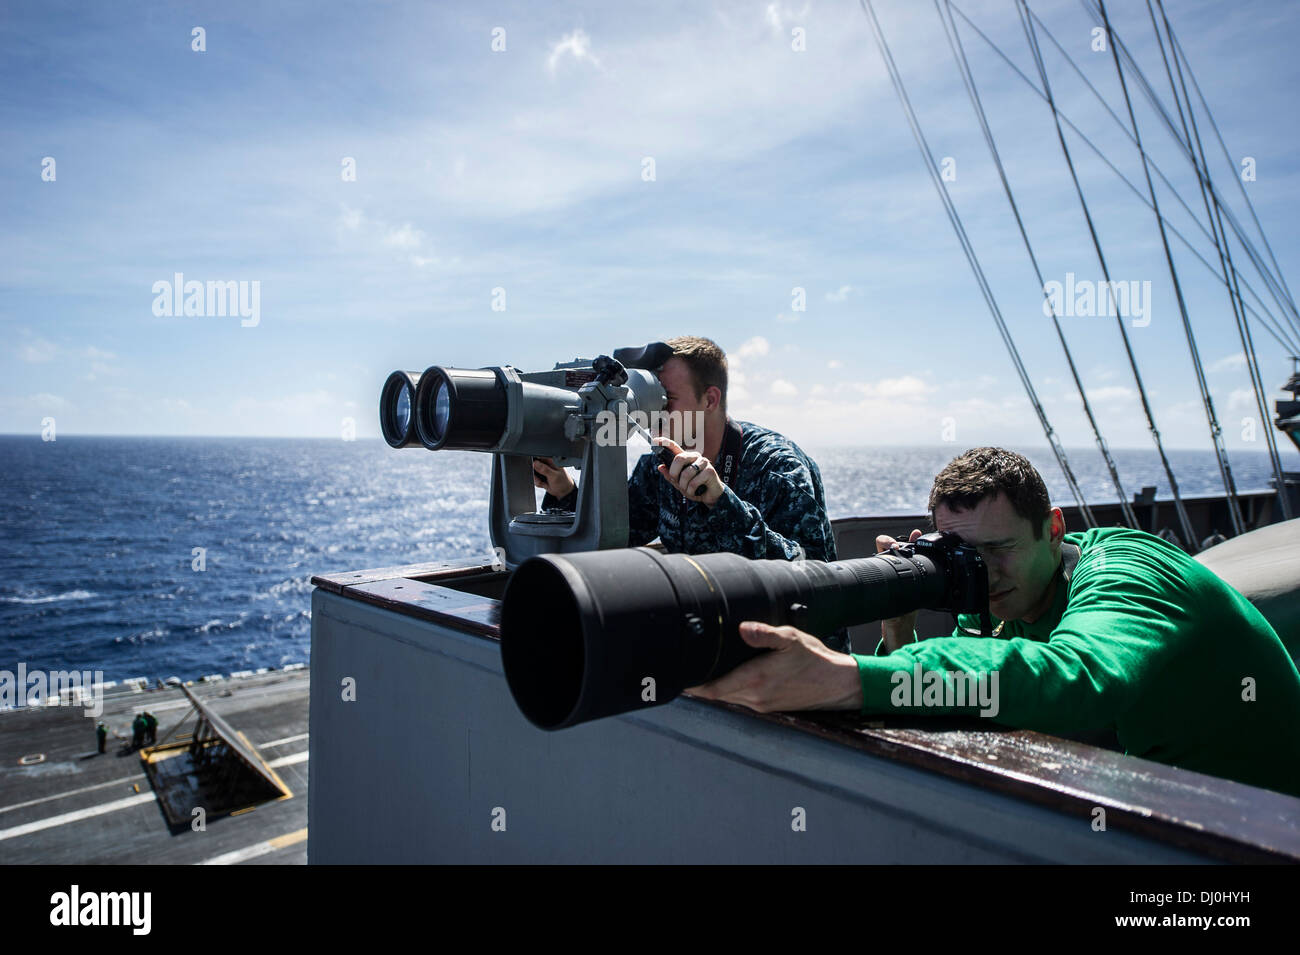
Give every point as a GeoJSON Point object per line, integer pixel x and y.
{"type": "Point", "coordinates": [77, 806]}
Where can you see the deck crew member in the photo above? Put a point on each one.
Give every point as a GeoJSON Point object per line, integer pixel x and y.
{"type": "Point", "coordinates": [762, 497]}
{"type": "Point", "coordinates": [1110, 628]}
{"type": "Point", "coordinates": [101, 734]}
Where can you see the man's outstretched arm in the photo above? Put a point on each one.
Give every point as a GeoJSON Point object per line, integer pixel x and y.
{"type": "Point", "coordinates": [801, 673]}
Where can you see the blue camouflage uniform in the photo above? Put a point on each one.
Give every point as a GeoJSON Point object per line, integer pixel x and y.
{"type": "Point", "coordinates": [773, 509]}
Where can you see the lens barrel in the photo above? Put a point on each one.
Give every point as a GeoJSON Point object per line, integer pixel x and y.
{"type": "Point", "coordinates": [460, 408]}
{"type": "Point", "coordinates": [595, 634]}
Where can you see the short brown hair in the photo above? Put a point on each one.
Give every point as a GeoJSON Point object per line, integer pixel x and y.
{"type": "Point", "coordinates": [707, 362]}
{"type": "Point", "coordinates": [985, 472]}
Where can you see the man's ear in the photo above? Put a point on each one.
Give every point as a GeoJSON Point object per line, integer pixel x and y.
{"type": "Point", "coordinates": [712, 397]}
{"type": "Point", "coordinates": [1056, 526]}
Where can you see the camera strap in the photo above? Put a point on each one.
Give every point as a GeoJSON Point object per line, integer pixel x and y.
{"type": "Point", "coordinates": [728, 463]}
{"type": "Point", "coordinates": [728, 467]}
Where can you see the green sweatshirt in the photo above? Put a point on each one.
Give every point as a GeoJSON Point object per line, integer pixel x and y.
{"type": "Point", "coordinates": [1140, 638]}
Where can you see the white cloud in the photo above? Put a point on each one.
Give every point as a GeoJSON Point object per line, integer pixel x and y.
{"type": "Point", "coordinates": [783, 389]}
{"type": "Point", "coordinates": [576, 44]}
{"type": "Point", "coordinates": [1234, 362]}
{"type": "Point", "coordinates": [350, 219]}
{"type": "Point", "coordinates": [839, 294]}
{"type": "Point", "coordinates": [410, 243]}
{"type": "Point", "coordinates": [777, 15]}
{"type": "Point", "coordinates": [1111, 393]}
{"type": "Point", "coordinates": [906, 386]}
{"type": "Point", "coordinates": [406, 237]}
{"type": "Point", "coordinates": [38, 351]}
{"type": "Point", "coordinates": [1242, 399]}
{"type": "Point", "coordinates": [31, 408]}
{"type": "Point", "coordinates": [835, 363]}
{"type": "Point", "coordinates": [47, 400]}
{"type": "Point", "coordinates": [317, 413]}
{"type": "Point", "coordinates": [754, 347]}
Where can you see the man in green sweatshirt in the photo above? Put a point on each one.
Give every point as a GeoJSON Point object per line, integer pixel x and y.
{"type": "Point", "coordinates": [1111, 628]}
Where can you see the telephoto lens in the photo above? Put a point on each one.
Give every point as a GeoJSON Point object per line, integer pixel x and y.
{"type": "Point", "coordinates": [595, 634]}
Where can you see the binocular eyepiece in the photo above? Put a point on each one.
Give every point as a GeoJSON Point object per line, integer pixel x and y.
{"type": "Point", "coordinates": [595, 634]}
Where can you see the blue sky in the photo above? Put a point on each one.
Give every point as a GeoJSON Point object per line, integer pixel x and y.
{"type": "Point", "coordinates": [522, 169]}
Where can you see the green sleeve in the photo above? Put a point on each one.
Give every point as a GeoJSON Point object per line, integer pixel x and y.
{"type": "Point", "coordinates": [1127, 617]}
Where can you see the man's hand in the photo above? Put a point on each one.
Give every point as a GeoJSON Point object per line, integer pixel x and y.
{"type": "Point", "coordinates": [801, 673]}
{"type": "Point", "coordinates": [689, 471]}
{"type": "Point", "coordinates": [556, 480]}
{"type": "Point", "coordinates": [897, 631]}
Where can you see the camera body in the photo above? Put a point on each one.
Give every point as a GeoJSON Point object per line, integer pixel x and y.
{"type": "Point", "coordinates": [966, 582]}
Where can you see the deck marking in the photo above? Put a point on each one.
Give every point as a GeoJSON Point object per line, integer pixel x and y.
{"type": "Point", "coordinates": [160, 707]}
{"type": "Point", "coordinates": [287, 739]}
{"type": "Point", "coordinates": [290, 760]}
{"type": "Point", "coordinates": [72, 792]}
{"type": "Point", "coordinates": [76, 816]}
{"type": "Point", "coordinates": [257, 849]}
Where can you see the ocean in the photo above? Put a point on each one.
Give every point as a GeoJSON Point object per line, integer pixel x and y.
{"type": "Point", "coordinates": [160, 557]}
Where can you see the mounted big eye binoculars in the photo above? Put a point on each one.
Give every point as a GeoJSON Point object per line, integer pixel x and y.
{"type": "Point", "coordinates": [515, 416]}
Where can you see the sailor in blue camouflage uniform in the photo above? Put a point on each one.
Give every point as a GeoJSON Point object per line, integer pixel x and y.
{"type": "Point", "coordinates": [751, 492]}
{"type": "Point", "coordinates": [773, 507]}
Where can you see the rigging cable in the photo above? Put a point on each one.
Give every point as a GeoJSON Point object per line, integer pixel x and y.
{"type": "Point", "coordinates": [1280, 294]}
{"type": "Point", "coordinates": [1225, 255]}
{"type": "Point", "coordinates": [968, 77]}
{"type": "Point", "coordinates": [1277, 331]}
{"type": "Point", "coordinates": [955, 219]}
{"type": "Point", "coordinates": [1178, 50]}
{"type": "Point", "coordinates": [1189, 535]}
{"type": "Point", "coordinates": [1216, 433]}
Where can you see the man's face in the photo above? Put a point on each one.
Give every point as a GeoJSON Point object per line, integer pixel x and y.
{"type": "Point", "coordinates": [679, 383]}
{"type": "Point", "coordinates": [1021, 567]}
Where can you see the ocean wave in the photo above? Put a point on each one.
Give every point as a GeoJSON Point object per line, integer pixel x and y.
{"type": "Point", "coordinates": [223, 625]}
{"type": "Point", "coordinates": [146, 636]}
{"type": "Point", "coordinates": [294, 585]}
{"type": "Point", "coordinates": [50, 598]}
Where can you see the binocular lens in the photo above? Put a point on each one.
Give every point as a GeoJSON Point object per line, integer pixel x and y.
{"type": "Point", "coordinates": [441, 410]}
{"type": "Point", "coordinates": [395, 403]}
{"type": "Point", "coordinates": [403, 410]}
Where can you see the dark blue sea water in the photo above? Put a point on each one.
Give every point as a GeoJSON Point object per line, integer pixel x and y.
{"type": "Point", "coordinates": [97, 535]}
